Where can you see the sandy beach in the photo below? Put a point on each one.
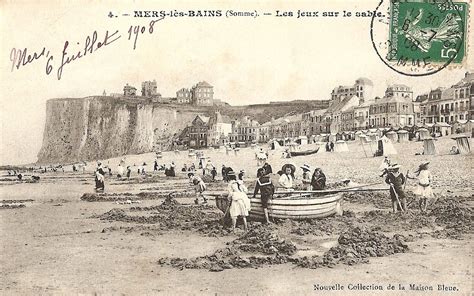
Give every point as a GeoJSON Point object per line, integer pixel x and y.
{"type": "Point", "coordinates": [125, 241]}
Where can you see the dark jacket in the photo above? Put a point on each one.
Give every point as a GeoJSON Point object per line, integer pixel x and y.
{"type": "Point", "coordinates": [397, 184]}
{"type": "Point", "coordinates": [265, 186]}
{"type": "Point", "coordinates": [318, 182]}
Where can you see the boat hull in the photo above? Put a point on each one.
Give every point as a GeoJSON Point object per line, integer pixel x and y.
{"type": "Point", "coordinates": [296, 207]}
{"type": "Point", "coordinates": [301, 153]}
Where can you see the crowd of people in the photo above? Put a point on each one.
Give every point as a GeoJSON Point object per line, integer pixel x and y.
{"type": "Point", "coordinates": [267, 183]}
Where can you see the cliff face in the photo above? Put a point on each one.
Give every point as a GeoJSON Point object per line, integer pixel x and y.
{"type": "Point", "coordinates": [102, 127]}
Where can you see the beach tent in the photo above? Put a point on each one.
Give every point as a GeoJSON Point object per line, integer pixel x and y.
{"type": "Point", "coordinates": [442, 128]}
{"type": "Point", "coordinates": [429, 147]}
{"type": "Point", "coordinates": [274, 145]}
{"type": "Point", "coordinates": [332, 138]}
{"type": "Point", "coordinates": [392, 136]}
{"type": "Point", "coordinates": [302, 140]}
{"type": "Point", "coordinates": [358, 135]}
{"type": "Point", "coordinates": [402, 136]}
{"type": "Point", "coordinates": [385, 147]}
{"type": "Point", "coordinates": [341, 146]}
{"type": "Point", "coordinates": [379, 132]}
{"type": "Point", "coordinates": [463, 144]}
{"type": "Point", "coordinates": [423, 133]}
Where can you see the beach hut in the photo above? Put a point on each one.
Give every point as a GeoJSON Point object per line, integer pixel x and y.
{"type": "Point", "coordinates": [341, 146]}
{"type": "Point", "coordinates": [332, 138]}
{"type": "Point", "coordinates": [385, 147]}
{"type": "Point", "coordinates": [423, 133]}
{"type": "Point", "coordinates": [358, 135]}
{"type": "Point", "coordinates": [402, 136]}
{"type": "Point", "coordinates": [442, 129]}
{"type": "Point", "coordinates": [302, 140]}
{"type": "Point", "coordinates": [463, 144]}
{"type": "Point", "coordinates": [429, 147]}
{"type": "Point", "coordinates": [392, 136]}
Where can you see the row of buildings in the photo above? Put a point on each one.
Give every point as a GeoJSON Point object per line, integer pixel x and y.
{"type": "Point", "coordinates": [200, 94]}
{"type": "Point", "coordinates": [351, 108]}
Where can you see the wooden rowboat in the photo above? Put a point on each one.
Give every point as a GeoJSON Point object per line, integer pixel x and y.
{"type": "Point", "coordinates": [295, 206]}
{"type": "Point", "coordinates": [306, 152]}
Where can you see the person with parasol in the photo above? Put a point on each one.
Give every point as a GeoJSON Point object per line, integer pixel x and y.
{"type": "Point", "coordinates": [423, 189]}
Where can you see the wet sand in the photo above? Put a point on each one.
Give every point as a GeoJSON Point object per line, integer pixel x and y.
{"type": "Point", "coordinates": [60, 244]}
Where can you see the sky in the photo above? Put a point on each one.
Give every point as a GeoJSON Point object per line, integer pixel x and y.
{"type": "Point", "coordinates": [247, 60]}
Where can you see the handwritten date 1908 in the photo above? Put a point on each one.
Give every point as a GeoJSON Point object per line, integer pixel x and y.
{"type": "Point", "coordinates": [22, 57]}
{"type": "Point", "coordinates": [134, 31]}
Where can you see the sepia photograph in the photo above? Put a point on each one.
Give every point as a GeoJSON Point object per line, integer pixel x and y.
{"type": "Point", "coordinates": [254, 147]}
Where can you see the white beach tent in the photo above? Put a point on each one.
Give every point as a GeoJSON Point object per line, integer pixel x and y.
{"type": "Point", "coordinates": [429, 147]}
{"type": "Point", "coordinates": [341, 146]}
{"type": "Point", "coordinates": [463, 144]}
{"type": "Point", "coordinates": [392, 136]}
{"type": "Point", "coordinates": [385, 147]}
{"type": "Point", "coordinates": [423, 133]}
{"type": "Point", "coordinates": [402, 136]}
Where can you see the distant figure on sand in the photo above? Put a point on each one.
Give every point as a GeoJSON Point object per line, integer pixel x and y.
{"type": "Point", "coordinates": [213, 173]}
{"type": "Point", "coordinates": [119, 171]}
{"type": "Point", "coordinates": [266, 188]}
{"type": "Point", "coordinates": [423, 189]}
{"type": "Point", "coordinates": [199, 187]}
{"type": "Point", "coordinates": [240, 203]}
{"type": "Point", "coordinates": [170, 172]}
{"type": "Point", "coordinates": [261, 157]}
{"type": "Point", "coordinates": [396, 180]}
{"type": "Point", "coordinates": [241, 175]}
{"type": "Point", "coordinates": [129, 172]}
{"type": "Point", "coordinates": [99, 178]}
{"type": "Point", "coordinates": [318, 180]}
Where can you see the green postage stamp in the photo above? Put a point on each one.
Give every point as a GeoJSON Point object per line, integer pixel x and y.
{"type": "Point", "coordinates": [428, 32]}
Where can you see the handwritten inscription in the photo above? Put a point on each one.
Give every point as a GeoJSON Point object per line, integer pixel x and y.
{"type": "Point", "coordinates": [71, 53]}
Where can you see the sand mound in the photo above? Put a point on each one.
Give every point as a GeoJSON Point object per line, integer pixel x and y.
{"type": "Point", "coordinates": [356, 246]}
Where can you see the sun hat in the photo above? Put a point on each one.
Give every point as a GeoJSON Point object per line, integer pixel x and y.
{"type": "Point", "coordinates": [306, 167]}
{"type": "Point", "coordinates": [394, 167]}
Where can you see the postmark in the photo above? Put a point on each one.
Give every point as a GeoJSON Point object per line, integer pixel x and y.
{"type": "Point", "coordinates": [419, 38]}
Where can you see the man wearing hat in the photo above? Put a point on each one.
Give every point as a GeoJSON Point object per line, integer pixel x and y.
{"type": "Point", "coordinates": [306, 176]}
{"type": "Point", "coordinates": [396, 180]}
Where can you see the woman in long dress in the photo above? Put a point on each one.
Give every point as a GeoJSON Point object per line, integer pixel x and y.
{"type": "Point", "coordinates": [240, 203]}
{"type": "Point", "coordinates": [423, 188]}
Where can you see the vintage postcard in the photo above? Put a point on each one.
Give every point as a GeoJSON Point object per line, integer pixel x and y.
{"type": "Point", "coordinates": [217, 147]}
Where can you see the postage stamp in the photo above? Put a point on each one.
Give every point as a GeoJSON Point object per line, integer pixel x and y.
{"type": "Point", "coordinates": [424, 36]}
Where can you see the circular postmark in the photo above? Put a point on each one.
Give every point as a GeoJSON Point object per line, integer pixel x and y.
{"type": "Point", "coordinates": [419, 38]}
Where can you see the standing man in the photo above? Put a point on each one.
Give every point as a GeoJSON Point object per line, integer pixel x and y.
{"type": "Point", "coordinates": [99, 178]}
